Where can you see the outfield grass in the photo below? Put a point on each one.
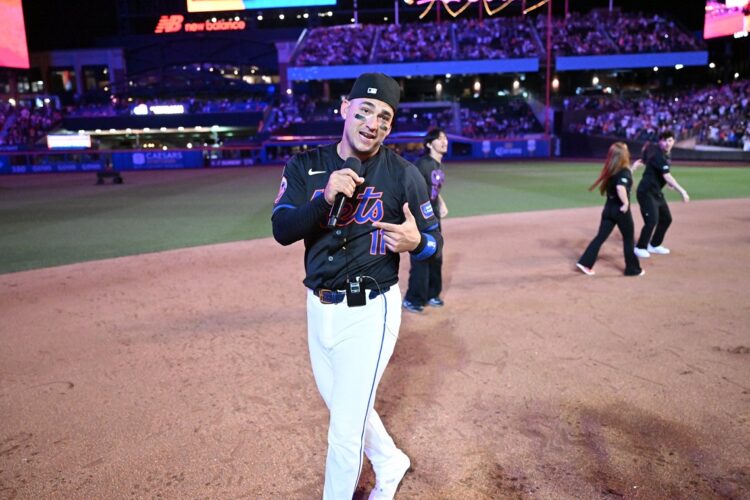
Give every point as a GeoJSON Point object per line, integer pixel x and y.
{"type": "Point", "coordinates": [48, 220]}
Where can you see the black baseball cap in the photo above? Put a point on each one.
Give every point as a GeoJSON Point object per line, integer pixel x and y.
{"type": "Point", "coordinates": [377, 86]}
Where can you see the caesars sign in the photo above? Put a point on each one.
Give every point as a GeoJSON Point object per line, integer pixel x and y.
{"type": "Point", "coordinates": [176, 23]}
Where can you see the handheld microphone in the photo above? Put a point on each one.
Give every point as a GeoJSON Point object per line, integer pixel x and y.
{"type": "Point", "coordinates": [356, 165]}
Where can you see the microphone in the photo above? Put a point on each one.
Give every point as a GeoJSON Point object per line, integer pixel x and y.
{"type": "Point", "coordinates": [354, 164]}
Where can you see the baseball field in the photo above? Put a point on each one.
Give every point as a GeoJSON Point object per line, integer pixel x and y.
{"type": "Point", "coordinates": [153, 343]}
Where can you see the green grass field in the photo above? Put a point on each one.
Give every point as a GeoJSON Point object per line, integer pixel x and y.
{"type": "Point", "coordinates": [49, 220]}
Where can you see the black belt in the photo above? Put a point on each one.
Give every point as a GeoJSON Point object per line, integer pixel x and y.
{"type": "Point", "coordinates": [337, 296]}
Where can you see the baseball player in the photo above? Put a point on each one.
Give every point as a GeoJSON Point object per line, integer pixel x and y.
{"type": "Point", "coordinates": [425, 277]}
{"type": "Point", "coordinates": [351, 266]}
{"type": "Point", "coordinates": [654, 208]}
{"type": "Point", "coordinates": [615, 180]}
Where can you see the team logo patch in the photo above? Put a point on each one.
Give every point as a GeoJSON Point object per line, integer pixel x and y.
{"type": "Point", "coordinates": [426, 209]}
{"type": "Point", "coordinates": [624, 180]}
{"type": "Point", "coordinates": [665, 168]}
{"type": "Point", "coordinates": [282, 190]}
{"type": "Point", "coordinates": [372, 90]}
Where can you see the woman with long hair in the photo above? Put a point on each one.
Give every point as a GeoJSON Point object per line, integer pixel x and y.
{"type": "Point", "coordinates": [615, 181]}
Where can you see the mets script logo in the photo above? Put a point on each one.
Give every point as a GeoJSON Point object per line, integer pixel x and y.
{"type": "Point", "coordinates": [368, 207]}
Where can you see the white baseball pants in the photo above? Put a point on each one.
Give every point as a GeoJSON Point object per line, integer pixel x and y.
{"type": "Point", "coordinates": [349, 350]}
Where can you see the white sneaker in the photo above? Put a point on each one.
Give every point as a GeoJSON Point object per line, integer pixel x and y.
{"type": "Point", "coordinates": [386, 487]}
{"type": "Point", "coordinates": [660, 250]}
{"type": "Point", "coordinates": [641, 253]}
{"type": "Point", "coordinates": [585, 270]}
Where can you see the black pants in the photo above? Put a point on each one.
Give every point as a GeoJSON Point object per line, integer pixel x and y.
{"type": "Point", "coordinates": [611, 217]}
{"type": "Point", "coordinates": [425, 280]}
{"type": "Point", "coordinates": [656, 215]}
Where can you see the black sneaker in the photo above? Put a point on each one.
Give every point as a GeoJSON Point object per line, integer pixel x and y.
{"type": "Point", "coordinates": [435, 302]}
{"type": "Point", "coordinates": [412, 307]}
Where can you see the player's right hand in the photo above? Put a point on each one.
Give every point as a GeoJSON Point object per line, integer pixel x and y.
{"type": "Point", "coordinates": [685, 196]}
{"type": "Point", "coordinates": [344, 181]}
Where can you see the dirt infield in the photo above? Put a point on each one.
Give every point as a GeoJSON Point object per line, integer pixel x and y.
{"type": "Point", "coordinates": [185, 374]}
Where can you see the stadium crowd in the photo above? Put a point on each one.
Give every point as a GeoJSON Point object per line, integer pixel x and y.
{"type": "Point", "coordinates": [715, 115]}
{"type": "Point", "coordinates": [594, 33]}
{"type": "Point", "coordinates": [22, 125]}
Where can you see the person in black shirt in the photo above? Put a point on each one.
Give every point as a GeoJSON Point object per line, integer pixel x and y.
{"type": "Point", "coordinates": [351, 272]}
{"type": "Point", "coordinates": [615, 180]}
{"type": "Point", "coordinates": [654, 207]}
{"type": "Point", "coordinates": [425, 277]}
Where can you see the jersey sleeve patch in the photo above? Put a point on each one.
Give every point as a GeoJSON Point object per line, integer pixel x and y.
{"type": "Point", "coordinates": [282, 189]}
{"type": "Point", "coordinates": [665, 168]}
{"type": "Point", "coordinates": [426, 209]}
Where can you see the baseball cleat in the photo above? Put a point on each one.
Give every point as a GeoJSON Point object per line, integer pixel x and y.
{"type": "Point", "coordinates": [642, 273]}
{"type": "Point", "coordinates": [658, 250]}
{"type": "Point", "coordinates": [435, 302]}
{"type": "Point", "coordinates": [386, 487]}
{"type": "Point", "coordinates": [585, 270]}
{"type": "Point", "coordinates": [412, 307]}
{"type": "Point", "coordinates": [641, 253]}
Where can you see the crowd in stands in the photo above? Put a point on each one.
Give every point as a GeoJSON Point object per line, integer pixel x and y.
{"type": "Point", "coordinates": [594, 33]}
{"type": "Point", "coordinates": [716, 115]}
{"type": "Point", "coordinates": [415, 42]}
{"type": "Point", "coordinates": [495, 38]}
{"type": "Point", "coordinates": [577, 35]}
{"type": "Point", "coordinates": [510, 118]}
{"type": "Point", "coordinates": [22, 125]}
{"type": "Point", "coordinates": [334, 45]}
{"type": "Point", "coordinates": [481, 120]}
{"type": "Point", "coordinates": [641, 34]}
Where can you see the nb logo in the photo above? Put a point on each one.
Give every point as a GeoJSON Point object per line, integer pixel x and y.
{"type": "Point", "coordinates": [315, 172]}
{"type": "Point", "coordinates": [169, 24]}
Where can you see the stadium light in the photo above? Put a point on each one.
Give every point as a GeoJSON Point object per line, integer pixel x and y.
{"type": "Point", "coordinates": [736, 75]}
{"type": "Point", "coordinates": [516, 84]}
{"type": "Point", "coordinates": [555, 83]}
{"type": "Point", "coordinates": [711, 65]}
{"type": "Point", "coordinates": [595, 80]}
{"type": "Point", "coordinates": [189, 145]}
{"type": "Point", "coordinates": [656, 68]}
{"type": "Point", "coordinates": [281, 16]}
{"type": "Point", "coordinates": [679, 66]}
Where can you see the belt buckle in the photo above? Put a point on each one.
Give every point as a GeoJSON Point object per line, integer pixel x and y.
{"type": "Point", "coordinates": [321, 294]}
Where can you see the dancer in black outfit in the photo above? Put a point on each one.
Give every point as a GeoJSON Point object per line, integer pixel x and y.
{"type": "Point", "coordinates": [615, 180]}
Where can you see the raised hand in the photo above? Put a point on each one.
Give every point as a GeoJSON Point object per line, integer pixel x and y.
{"type": "Point", "coordinates": [403, 237]}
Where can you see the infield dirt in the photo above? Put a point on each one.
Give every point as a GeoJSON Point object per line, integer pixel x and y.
{"type": "Point", "coordinates": [185, 374]}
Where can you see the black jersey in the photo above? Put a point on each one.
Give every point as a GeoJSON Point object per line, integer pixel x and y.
{"type": "Point", "coordinates": [354, 248]}
{"type": "Point", "coordinates": [433, 175]}
{"type": "Point", "coordinates": [622, 178]}
{"type": "Point", "coordinates": [657, 165]}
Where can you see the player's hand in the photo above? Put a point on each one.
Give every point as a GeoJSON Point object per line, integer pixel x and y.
{"type": "Point", "coordinates": [636, 165]}
{"type": "Point", "coordinates": [344, 181]}
{"type": "Point", "coordinates": [685, 196]}
{"type": "Point", "coordinates": [443, 210]}
{"type": "Point", "coordinates": [624, 208]}
{"type": "Point", "coordinates": [403, 237]}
